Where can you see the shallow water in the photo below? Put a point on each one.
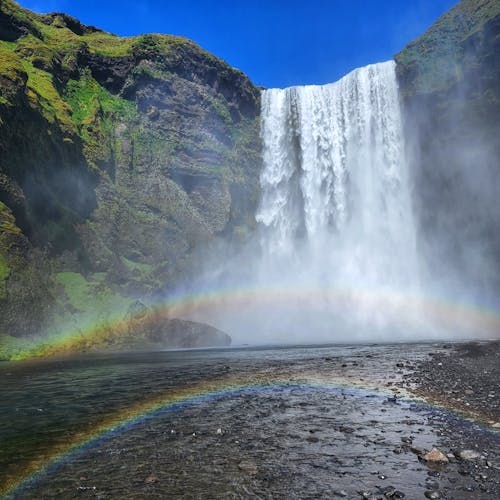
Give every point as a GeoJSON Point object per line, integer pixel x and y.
{"type": "Point", "coordinates": [305, 422]}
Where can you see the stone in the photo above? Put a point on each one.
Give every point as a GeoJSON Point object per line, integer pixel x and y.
{"type": "Point", "coordinates": [432, 494]}
{"type": "Point", "coordinates": [248, 466]}
{"type": "Point", "coordinates": [468, 454]}
{"type": "Point", "coordinates": [435, 456]}
{"type": "Point", "coordinates": [340, 493]}
{"type": "Point", "coordinates": [152, 478]}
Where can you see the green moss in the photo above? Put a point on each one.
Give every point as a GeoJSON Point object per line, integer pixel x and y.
{"type": "Point", "coordinates": [87, 97]}
{"type": "Point", "coordinates": [219, 104]}
{"type": "Point", "coordinates": [7, 221]}
{"type": "Point", "coordinates": [95, 112]}
{"type": "Point", "coordinates": [11, 72]}
{"type": "Point", "coordinates": [91, 297]}
{"type": "Point", "coordinates": [137, 266]}
{"type": "Point", "coordinates": [43, 97]}
{"type": "Point", "coordinates": [433, 62]}
{"type": "Point", "coordinates": [12, 348]}
{"type": "Point", "coordinates": [4, 274]}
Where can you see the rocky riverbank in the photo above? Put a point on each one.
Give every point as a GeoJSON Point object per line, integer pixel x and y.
{"type": "Point", "coordinates": [465, 377]}
{"type": "Point", "coordinates": [294, 422]}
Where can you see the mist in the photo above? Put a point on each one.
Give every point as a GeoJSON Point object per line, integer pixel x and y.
{"type": "Point", "coordinates": [364, 233]}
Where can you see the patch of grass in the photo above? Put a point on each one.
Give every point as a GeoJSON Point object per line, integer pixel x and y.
{"type": "Point", "coordinates": [90, 297]}
{"type": "Point", "coordinates": [11, 71]}
{"type": "Point", "coordinates": [4, 274]}
{"type": "Point", "coordinates": [95, 112]}
{"type": "Point", "coordinates": [13, 347]}
{"type": "Point", "coordinates": [137, 266]}
{"type": "Point", "coordinates": [87, 99]}
{"type": "Point", "coordinates": [44, 97]}
{"type": "Point", "coordinates": [7, 221]}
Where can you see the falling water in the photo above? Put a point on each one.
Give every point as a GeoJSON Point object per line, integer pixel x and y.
{"type": "Point", "coordinates": [337, 258]}
{"type": "Point", "coordinates": [336, 206]}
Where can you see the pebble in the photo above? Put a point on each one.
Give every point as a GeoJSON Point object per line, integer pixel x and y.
{"type": "Point", "coordinates": [435, 456]}
{"type": "Point", "coordinates": [432, 484]}
{"type": "Point", "coordinates": [391, 492]}
{"type": "Point", "coordinates": [468, 454]}
{"type": "Point", "coordinates": [248, 467]}
{"type": "Point", "coordinates": [152, 478]}
{"type": "Point", "coordinates": [432, 494]}
{"type": "Point", "coordinates": [340, 493]}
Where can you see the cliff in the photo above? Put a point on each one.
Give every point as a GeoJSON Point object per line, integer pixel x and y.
{"type": "Point", "coordinates": [450, 84]}
{"type": "Point", "coordinates": [119, 157]}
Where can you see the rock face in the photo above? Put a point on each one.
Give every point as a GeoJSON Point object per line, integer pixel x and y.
{"type": "Point", "coordinates": [450, 83]}
{"type": "Point", "coordinates": [149, 328]}
{"type": "Point", "coordinates": [118, 159]}
{"type": "Point", "coordinates": [182, 333]}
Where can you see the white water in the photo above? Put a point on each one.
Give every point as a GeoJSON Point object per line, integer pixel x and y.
{"type": "Point", "coordinates": [337, 259]}
{"type": "Point", "coordinates": [335, 186]}
{"type": "Point", "coordinates": [335, 216]}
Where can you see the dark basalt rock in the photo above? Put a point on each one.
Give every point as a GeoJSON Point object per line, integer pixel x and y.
{"type": "Point", "coordinates": [182, 333]}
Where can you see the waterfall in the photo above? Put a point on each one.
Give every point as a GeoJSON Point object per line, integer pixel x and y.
{"type": "Point", "coordinates": [335, 184]}
{"type": "Point", "coordinates": [336, 257]}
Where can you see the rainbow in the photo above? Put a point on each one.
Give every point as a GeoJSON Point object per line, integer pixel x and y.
{"type": "Point", "coordinates": [469, 320]}
{"type": "Point", "coordinates": [202, 393]}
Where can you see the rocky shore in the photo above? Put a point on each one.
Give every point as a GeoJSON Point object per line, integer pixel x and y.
{"type": "Point", "coordinates": [465, 377]}
{"type": "Point", "coordinates": [292, 422]}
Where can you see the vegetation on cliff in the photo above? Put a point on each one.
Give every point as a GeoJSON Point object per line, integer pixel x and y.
{"type": "Point", "coordinates": [119, 157]}
{"type": "Point", "coordinates": [450, 83]}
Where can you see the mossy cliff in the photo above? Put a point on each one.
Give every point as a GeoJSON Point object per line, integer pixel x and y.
{"type": "Point", "coordinates": [450, 84]}
{"type": "Point", "coordinates": [119, 157]}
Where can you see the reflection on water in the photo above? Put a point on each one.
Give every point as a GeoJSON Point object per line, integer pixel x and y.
{"type": "Point", "coordinates": [273, 440]}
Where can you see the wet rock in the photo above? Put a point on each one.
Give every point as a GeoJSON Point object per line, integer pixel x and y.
{"type": "Point", "coordinates": [340, 493]}
{"type": "Point", "coordinates": [417, 451]}
{"type": "Point", "coordinates": [366, 495]}
{"type": "Point", "coordinates": [391, 492]}
{"type": "Point", "coordinates": [152, 478]}
{"type": "Point", "coordinates": [468, 455]}
{"type": "Point", "coordinates": [346, 430]}
{"type": "Point", "coordinates": [153, 113]}
{"type": "Point", "coordinates": [432, 484]}
{"type": "Point", "coordinates": [432, 494]}
{"type": "Point", "coordinates": [248, 466]}
{"type": "Point", "coordinates": [435, 456]}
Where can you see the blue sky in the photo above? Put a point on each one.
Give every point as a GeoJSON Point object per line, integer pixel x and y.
{"type": "Point", "coordinates": [277, 43]}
